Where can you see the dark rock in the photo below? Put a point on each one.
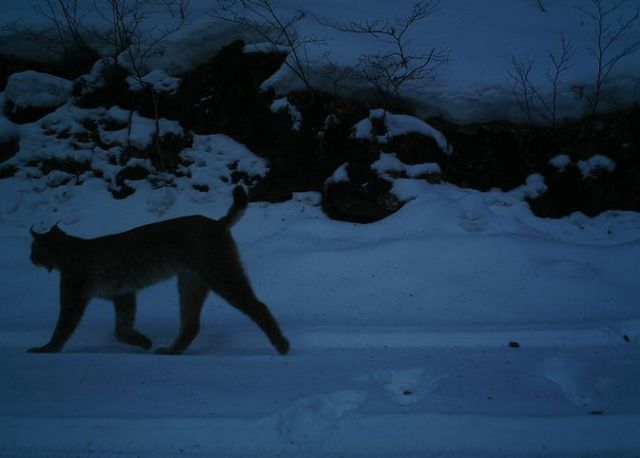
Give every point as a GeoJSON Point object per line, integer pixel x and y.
{"type": "Point", "coordinates": [7, 171]}
{"type": "Point", "coordinates": [9, 148]}
{"type": "Point", "coordinates": [135, 172]}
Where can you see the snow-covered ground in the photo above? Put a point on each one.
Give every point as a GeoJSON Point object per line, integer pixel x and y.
{"type": "Point", "coordinates": [462, 325]}
{"type": "Point", "coordinates": [402, 332]}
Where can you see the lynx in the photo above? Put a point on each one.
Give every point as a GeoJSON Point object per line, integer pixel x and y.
{"type": "Point", "coordinates": [199, 250]}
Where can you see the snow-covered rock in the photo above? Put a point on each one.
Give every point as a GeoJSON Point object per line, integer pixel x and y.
{"type": "Point", "coordinates": [36, 92]}
{"type": "Point", "coordinates": [390, 164]}
{"type": "Point", "coordinates": [341, 175]}
{"type": "Point", "coordinates": [595, 163]}
{"type": "Point", "coordinates": [560, 161]}
{"type": "Point", "coordinates": [95, 79]}
{"type": "Point", "coordinates": [396, 125]}
{"type": "Point", "coordinates": [159, 80]}
{"type": "Point", "coordinates": [283, 104]}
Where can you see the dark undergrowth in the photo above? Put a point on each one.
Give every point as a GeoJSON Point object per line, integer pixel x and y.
{"type": "Point", "coordinates": [224, 96]}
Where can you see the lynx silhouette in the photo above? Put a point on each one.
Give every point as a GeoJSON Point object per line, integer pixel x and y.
{"type": "Point", "coordinates": [199, 250]}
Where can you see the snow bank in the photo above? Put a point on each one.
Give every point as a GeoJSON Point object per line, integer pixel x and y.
{"type": "Point", "coordinates": [595, 163]}
{"type": "Point", "coordinates": [159, 80]}
{"type": "Point", "coordinates": [390, 164]}
{"type": "Point", "coordinates": [35, 89]}
{"type": "Point", "coordinates": [141, 132]}
{"type": "Point", "coordinates": [473, 85]}
{"type": "Point", "coordinates": [396, 125]}
{"type": "Point", "coordinates": [400, 328]}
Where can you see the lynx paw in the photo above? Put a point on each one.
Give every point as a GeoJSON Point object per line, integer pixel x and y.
{"type": "Point", "coordinates": [141, 341]}
{"type": "Point", "coordinates": [145, 343]}
{"type": "Point", "coordinates": [43, 349]}
{"type": "Point", "coordinates": [135, 338]}
{"type": "Point", "coordinates": [166, 351]}
{"type": "Point", "coordinates": [282, 346]}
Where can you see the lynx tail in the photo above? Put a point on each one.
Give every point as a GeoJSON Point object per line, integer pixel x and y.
{"type": "Point", "coordinates": [237, 208]}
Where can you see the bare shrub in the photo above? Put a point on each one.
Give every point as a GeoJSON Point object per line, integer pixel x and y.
{"type": "Point", "coordinates": [275, 29]}
{"type": "Point", "coordinates": [336, 75]}
{"type": "Point", "coordinates": [533, 101]}
{"type": "Point", "coordinates": [390, 70]}
{"type": "Point", "coordinates": [612, 26]}
{"type": "Point", "coordinates": [121, 33]}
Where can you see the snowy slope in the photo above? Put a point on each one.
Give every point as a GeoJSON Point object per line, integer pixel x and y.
{"type": "Point", "coordinates": [479, 37]}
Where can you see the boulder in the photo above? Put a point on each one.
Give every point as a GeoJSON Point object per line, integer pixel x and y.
{"type": "Point", "coordinates": [31, 95]}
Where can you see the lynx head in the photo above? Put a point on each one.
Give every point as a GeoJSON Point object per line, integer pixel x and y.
{"type": "Point", "coordinates": [45, 247]}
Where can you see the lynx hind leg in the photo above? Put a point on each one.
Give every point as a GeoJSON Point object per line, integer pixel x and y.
{"type": "Point", "coordinates": [263, 317]}
{"type": "Point", "coordinates": [193, 291]}
{"type": "Point", "coordinates": [235, 288]}
{"type": "Point", "coordinates": [125, 308]}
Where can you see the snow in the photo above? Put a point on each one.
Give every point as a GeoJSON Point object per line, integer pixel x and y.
{"type": "Point", "coordinates": [35, 89]}
{"type": "Point", "coordinates": [397, 125]}
{"type": "Point", "coordinates": [283, 104]}
{"type": "Point", "coordinates": [159, 80]}
{"type": "Point", "coordinates": [95, 78]}
{"type": "Point", "coordinates": [390, 163]}
{"type": "Point", "coordinates": [141, 132]}
{"type": "Point", "coordinates": [533, 187]}
{"type": "Point", "coordinates": [341, 175]}
{"type": "Point", "coordinates": [595, 163]}
{"type": "Point", "coordinates": [213, 159]}
{"type": "Point", "coordinates": [560, 161]}
{"type": "Point", "coordinates": [400, 329]}
{"type": "Point", "coordinates": [473, 85]}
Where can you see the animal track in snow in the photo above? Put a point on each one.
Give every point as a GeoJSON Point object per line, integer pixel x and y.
{"type": "Point", "coordinates": [312, 418]}
{"type": "Point", "coordinates": [594, 382]}
{"type": "Point", "coordinates": [473, 213]}
{"type": "Point", "coordinates": [404, 387]}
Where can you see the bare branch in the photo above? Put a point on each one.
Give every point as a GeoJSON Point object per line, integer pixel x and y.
{"type": "Point", "coordinates": [541, 6]}
{"type": "Point", "coordinates": [68, 26]}
{"type": "Point", "coordinates": [337, 74]}
{"type": "Point", "coordinates": [389, 71]}
{"type": "Point", "coordinates": [611, 30]}
{"type": "Point", "coordinates": [260, 17]}
{"type": "Point", "coordinates": [521, 69]}
{"type": "Point", "coordinates": [531, 100]}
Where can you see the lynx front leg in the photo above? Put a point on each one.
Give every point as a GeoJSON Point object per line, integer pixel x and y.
{"type": "Point", "coordinates": [72, 306]}
{"type": "Point", "coordinates": [125, 307]}
{"type": "Point", "coordinates": [193, 291]}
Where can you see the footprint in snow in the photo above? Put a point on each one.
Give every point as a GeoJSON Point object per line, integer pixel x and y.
{"type": "Point", "coordinates": [594, 382]}
{"type": "Point", "coordinates": [404, 387]}
{"type": "Point", "coordinates": [472, 213]}
{"type": "Point", "coordinates": [313, 418]}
